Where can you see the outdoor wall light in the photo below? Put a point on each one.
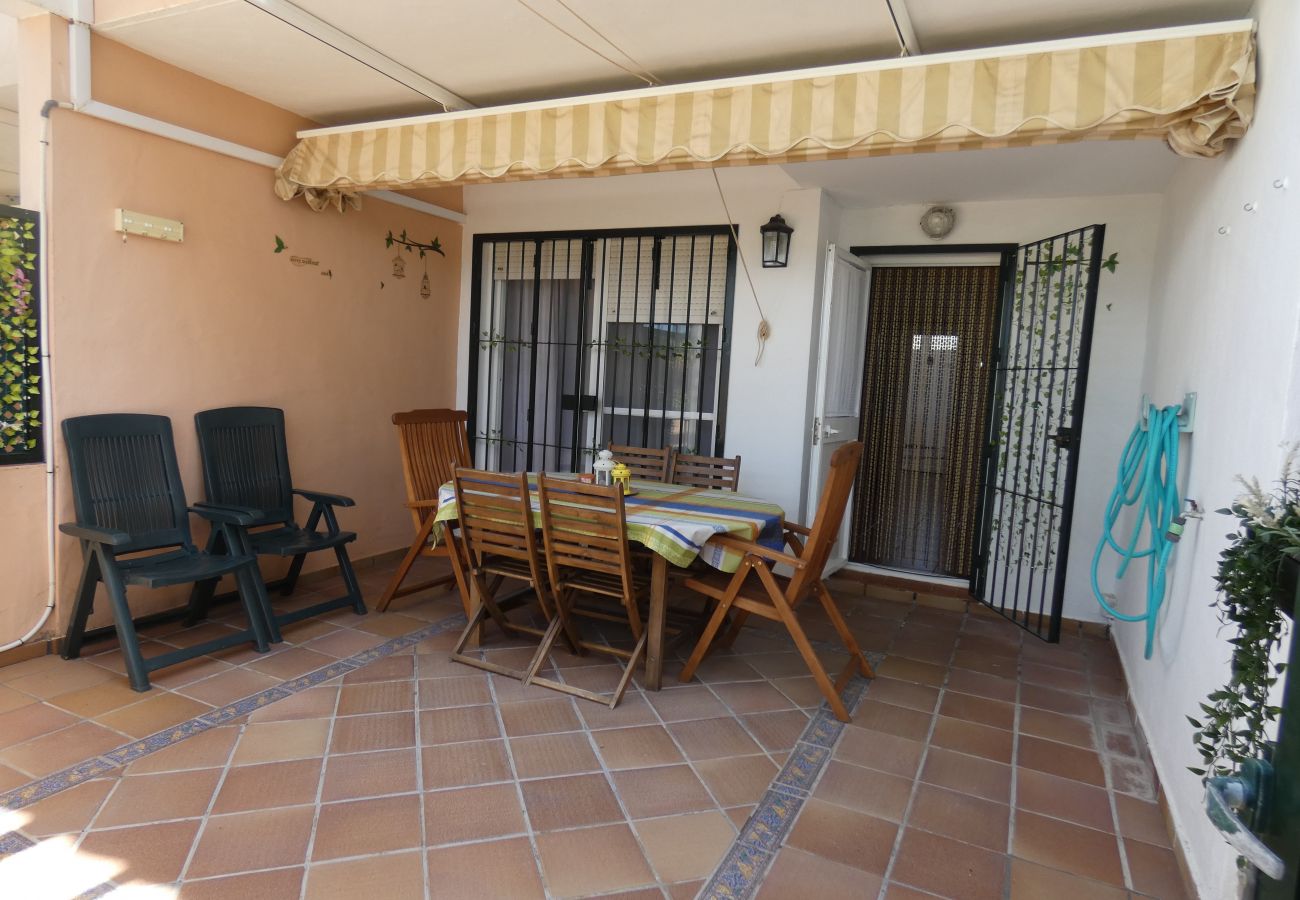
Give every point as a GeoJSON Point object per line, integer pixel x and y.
{"type": "Point", "coordinates": [776, 243]}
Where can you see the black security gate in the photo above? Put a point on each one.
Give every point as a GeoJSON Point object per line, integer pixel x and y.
{"type": "Point", "coordinates": [1031, 458]}
{"type": "Point", "coordinates": [583, 339]}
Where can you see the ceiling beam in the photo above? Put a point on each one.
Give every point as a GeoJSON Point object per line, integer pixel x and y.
{"type": "Point", "coordinates": [908, 43]}
{"type": "Point", "coordinates": [346, 44]}
{"type": "Point", "coordinates": [72, 10]}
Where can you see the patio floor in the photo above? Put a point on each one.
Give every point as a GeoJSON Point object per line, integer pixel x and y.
{"type": "Point", "coordinates": [357, 759]}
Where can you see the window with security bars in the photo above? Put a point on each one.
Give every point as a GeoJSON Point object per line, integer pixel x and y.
{"type": "Point", "coordinates": [596, 339]}
{"type": "Point", "coordinates": [20, 356]}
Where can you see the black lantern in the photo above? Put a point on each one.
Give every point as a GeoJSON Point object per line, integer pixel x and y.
{"type": "Point", "coordinates": [776, 243]}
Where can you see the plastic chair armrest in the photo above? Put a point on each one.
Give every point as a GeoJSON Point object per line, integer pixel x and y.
{"type": "Point", "coordinates": [107, 536]}
{"type": "Point", "coordinates": [227, 515]}
{"type": "Point", "coordinates": [327, 499]}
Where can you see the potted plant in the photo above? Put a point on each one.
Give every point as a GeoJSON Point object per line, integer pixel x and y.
{"type": "Point", "coordinates": [1257, 579]}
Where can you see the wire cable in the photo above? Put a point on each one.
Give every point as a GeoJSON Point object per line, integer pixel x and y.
{"type": "Point", "coordinates": [764, 329]}
{"type": "Point", "coordinates": [646, 77]}
{"type": "Point", "coordinates": [654, 79]}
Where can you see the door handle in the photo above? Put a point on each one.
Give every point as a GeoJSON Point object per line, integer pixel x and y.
{"type": "Point", "coordinates": [1227, 797]}
{"type": "Point", "coordinates": [830, 432]}
{"type": "Point", "coordinates": [1064, 438]}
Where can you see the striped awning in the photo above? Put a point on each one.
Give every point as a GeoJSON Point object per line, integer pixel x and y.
{"type": "Point", "coordinates": [1193, 87]}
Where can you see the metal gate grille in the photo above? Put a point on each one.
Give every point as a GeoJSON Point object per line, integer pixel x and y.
{"type": "Point", "coordinates": [588, 339]}
{"type": "Point", "coordinates": [1042, 372]}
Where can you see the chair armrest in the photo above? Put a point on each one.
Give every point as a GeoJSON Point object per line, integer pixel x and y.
{"type": "Point", "coordinates": [108, 536]}
{"type": "Point", "coordinates": [796, 528]}
{"type": "Point", "coordinates": [423, 504]}
{"type": "Point", "coordinates": [227, 515]}
{"type": "Point", "coordinates": [749, 548]}
{"type": "Point", "coordinates": [327, 499]}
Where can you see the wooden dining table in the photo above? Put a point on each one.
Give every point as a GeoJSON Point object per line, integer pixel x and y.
{"type": "Point", "coordinates": [677, 523]}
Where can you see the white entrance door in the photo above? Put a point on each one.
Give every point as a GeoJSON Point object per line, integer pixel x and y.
{"type": "Point", "coordinates": [837, 406]}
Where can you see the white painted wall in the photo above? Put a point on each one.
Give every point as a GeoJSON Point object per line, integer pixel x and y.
{"type": "Point", "coordinates": [1114, 382]}
{"type": "Point", "coordinates": [1224, 315]}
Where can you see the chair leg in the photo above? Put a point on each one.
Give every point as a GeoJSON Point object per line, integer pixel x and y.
{"type": "Point", "coordinates": [136, 670]}
{"type": "Point", "coordinates": [202, 592]}
{"type": "Point", "coordinates": [824, 683]}
{"type": "Point", "coordinates": [290, 580]}
{"type": "Point", "coordinates": [404, 567]}
{"type": "Point", "coordinates": [859, 659]}
{"type": "Point", "coordinates": [84, 605]}
{"type": "Point", "coordinates": [350, 579]}
{"type": "Point", "coordinates": [719, 616]}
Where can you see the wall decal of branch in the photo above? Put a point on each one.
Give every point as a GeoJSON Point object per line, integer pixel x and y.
{"type": "Point", "coordinates": [434, 246]}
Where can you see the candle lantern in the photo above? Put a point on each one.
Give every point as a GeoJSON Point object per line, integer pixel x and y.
{"type": "Point", "coordinates": [622, 476]}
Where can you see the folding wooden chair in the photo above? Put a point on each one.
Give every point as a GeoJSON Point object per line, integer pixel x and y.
{"type": "Point", "coordinates": [646, 464]}
{"type": "Point", "coordinates": [433, 443]}
{"type": "Point", "coordinates": [584, 529]}
{"type": "Point", "coordinates": [719, 472]}
{"type": "Point", "coordinates": [127, 491]}
{"type": "Point", "coordinates": [755, 588]}
{"type": "Point", "coordinates": [499, 542]}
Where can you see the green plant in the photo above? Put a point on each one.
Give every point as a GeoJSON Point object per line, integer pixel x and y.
{"type": "Point", "coordinates": [19, 348]}
{"type": "Point", "coordinates": [1234, 722]}
{"type": "Point", "coordinates": [434, 246]}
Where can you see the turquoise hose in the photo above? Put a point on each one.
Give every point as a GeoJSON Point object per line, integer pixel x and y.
{"type": "Point", "coordinates": [1147, 479]}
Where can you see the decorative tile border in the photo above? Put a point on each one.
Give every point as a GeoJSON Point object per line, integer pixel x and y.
{"type": "Point", "coordinates": [45, 787]}
{"type": "Point", "coordinates": [741, 871]}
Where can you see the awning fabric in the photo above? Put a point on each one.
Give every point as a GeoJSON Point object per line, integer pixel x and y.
{"type": "Point", "coordinates": [1194, 90]}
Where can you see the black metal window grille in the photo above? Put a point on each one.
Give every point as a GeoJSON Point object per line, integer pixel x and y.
{"type": "Point", "coordinates": [1041, 377]}
{"type": "Point", "coordinates": [20, 341]}
{"type": "Point", "coordinates": [583, 340]}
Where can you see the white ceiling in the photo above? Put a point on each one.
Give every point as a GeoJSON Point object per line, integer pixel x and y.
{"type": "Point", "coordinates": [495, 51]}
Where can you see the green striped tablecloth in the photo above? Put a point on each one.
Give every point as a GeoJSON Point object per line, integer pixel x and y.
{"type": "Point", "coordinates": [676, 521]}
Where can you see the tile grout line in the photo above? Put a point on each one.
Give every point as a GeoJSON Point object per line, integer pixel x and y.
{"type": "Point", "coordinates": [212, 802]}
{"type": "Point", "coordinates": [1104, 759]}
{"type": "Point", "coordinates": [419, 770]}
{"type": "Point", "coordinates": [320, 790]}
{"type": "Point", "coordinates": [1014, 792]}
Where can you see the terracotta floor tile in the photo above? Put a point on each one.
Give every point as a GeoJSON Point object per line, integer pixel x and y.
{"type": "Point", "coordinates": [231, 685]}
{"type": "Point", "coordinates": [470, 690]}
{"type": "Point", "coordinates": [910, 670]}
{"type": "Point", "coordinates": [388, 625]}
{"type": "Point", "coordinates": [397, 667]}
{"type": "Point", "coordinates": [883, 752]}
{"type": "Point", "coordinates": [367, 826]}
{"type": "Point", "coordinates": [895, 720]}
{"type": "Point", "coordinates": [802, 690]}
{"type": "Point", "coordinates": [776, 731]}
{"type": "Point", "coordinates": [973, 739]}
{"type": "Point", "coordinates": [471, 814]}
{"type": "Point", "coordinates": [344, 643]}
{"type": "Point", "coordinates": [268, 785]}
{"type": "Point", "coordinates": [268, 885]}
{"type": "Point", "coordinates": [73, 675]}
{"type": "Point", "coordinates": [1053, 677]}
{"type": "Point", "coordinates": [752, 697]}
{"type": "Point", "coordinates": [570, 802]}
{"type": "Point", "coordinates": [777, 665]}
{"type": "Point", "coordinates": [276, 741]}
{"type": "Point", "coordinates": [713, 738]}
{"type": "Point", "coordinates": [632, 748]}
{"type": "Point", "coordinates": [14, 671]}
{"type": "Point", "coordinates": [97, 699]}
{"type": "Point", "coordinates": [981, 710]}
{"type": "Point", "coordinates": [376, 697]}
{"type": "Point", "coordinates": [67, 811]}
{"type": "Point", "coordinates": [632, 710]}
{"type": "Point", "coordinates": [692, 701]}
{"type": "Point", "coordinates": [864, 790]}
{"type": "Point", "coordinates": [737, 780]}
{"type": "Point", "coordinates": [52, 752]}
{"type": "Point", "coordinates": [848, 837]}
{"type": "Point", "coordinates": [663, 790]}
{"type": "Point", "coordinates": [149, 853]}
{"type": "Point", "coordinates": [795, 871]}
{"type": "Point", "coordinates": [290, 662]}
{"type": "Point", "coordinates": [31, 721]}
{"type": "Point", "coordinates": [11, 778]}
{"type": "Point", "coordinates": [1062, 798]}
{"type": "Point", "coordinates": [1070, 848]}
{"type": "Point", "coordinates": [539, 717]}
{"type": "Point", "coordinates": [203, 750]}
{"type": "Point", "coordinates": [361, 734]}
{"type": "Point", "coordinates": [961, 817]}
{"type": "Point", "coordinates": [1056, 727]}
{"type": "Point", "coordinates": [981, 660]}
{"type": "Point", "coordinates": [158, 798]}
{"type": "Point", "coordinates": [592, 860]}
{"type": "Point", "coordinates": [687, 846]}
{"type": "Point", "coordinates": [374, 774]}
{"type": "Point", "coordinates": [921, 697]}
{"type": "Point", "coordinates": [393, 875]}
{"type": "Point", "coordinates": [1061, 760]}
{"type": "Point", "coordinates": [1030, 881]}
{"type": "Point", "coordinates": [154, 714]}
{"type": "Point", "coordinates": [719, 669]}
{"type": "Point", "coordinates": [968, 774]}
{"type": "Point", "coordinates": [980, 684]}
{"type": "Point", "coordinates": [949, 868]}
{"type": "Point", "coordinates": [313, 703]}
{"type": "Point", "coordinates": [489, 869]}
{"type": "Point", "coordinates": [1155, 871]}
{"type": "Point", "coordinates": [683, 890]}
{"type": "Point", "coordinates": [456, 724]}
{"type": "Point", "coordinates": [245, 842]}
{"type": "Point", "coordinates": [460, 765]}
{"type": "Point", "coordinates": [1141, 820]}
{"type": "Point", "coordinates": [548, 755]}
{"type": "Point", "coordinates": [1053, 700]}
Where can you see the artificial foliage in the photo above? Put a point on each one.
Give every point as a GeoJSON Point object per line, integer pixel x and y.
{"type": "Point", "coordinates": [20, 386]}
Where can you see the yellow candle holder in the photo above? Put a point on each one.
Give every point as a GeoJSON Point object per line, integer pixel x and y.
{"type": "Point", "coordinates": [622, 476]}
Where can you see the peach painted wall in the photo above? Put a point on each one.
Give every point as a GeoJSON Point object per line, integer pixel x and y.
{"type": "Point", "coordinates": [148, 326]}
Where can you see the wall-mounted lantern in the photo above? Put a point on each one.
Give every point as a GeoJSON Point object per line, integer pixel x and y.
{"type": "Point", "coordinates": [776, 243]}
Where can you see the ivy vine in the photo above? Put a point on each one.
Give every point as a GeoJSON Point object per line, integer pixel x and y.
{"type": "Point", "coordinates": [19, 350]}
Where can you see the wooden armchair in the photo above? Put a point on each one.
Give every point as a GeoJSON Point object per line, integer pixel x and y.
{"type": "Point", "coordinates": [433, 443]}
{"type": "Point", "coordinates": [719, 472]}
{"type": "Point", "coordinates": [646, 464]}
{"type": "Point", "coordinates": [756, 589]}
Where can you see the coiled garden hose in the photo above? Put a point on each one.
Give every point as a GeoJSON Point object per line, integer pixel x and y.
{"type": "Point", "coordinates": [1148, 479]}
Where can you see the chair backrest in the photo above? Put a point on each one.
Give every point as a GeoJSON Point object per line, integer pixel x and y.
{"type": "Point", "coordinates": [246, 459]}
{"type": "Point", "coordinates": [434, 442]}
{"type": "Point", "coordinates": [830, 515]}
{"type": "Point", "coordinates": [496, 517]}
{"type": "Point", "coordinates": [584, 526]}
{"type": "Point", "coordinates": [125, 477]}
{"type": "Point", "coordinates": [705, 471]}
{"type": "Point", "coordinates": [646, 464]}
